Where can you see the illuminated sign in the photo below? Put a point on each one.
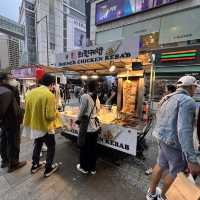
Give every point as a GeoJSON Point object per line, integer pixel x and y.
{"type": "Point", "coordinates": [110, 10]}
{"type": "Point", "coordinates": [178, 56]}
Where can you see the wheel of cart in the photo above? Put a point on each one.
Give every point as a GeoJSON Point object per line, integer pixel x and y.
{"type": "Point", "coordinates": [141, 140]}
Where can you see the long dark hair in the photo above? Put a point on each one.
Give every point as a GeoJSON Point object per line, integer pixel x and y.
{"type": "Point", "coordinates": [92, 89]}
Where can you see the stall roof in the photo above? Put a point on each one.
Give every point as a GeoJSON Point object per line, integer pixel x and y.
{"type": "Point", "coordinates": [101, 68]}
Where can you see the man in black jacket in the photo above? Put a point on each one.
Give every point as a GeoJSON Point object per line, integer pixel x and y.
{"type": "Point", "coordinates": [10, 125]}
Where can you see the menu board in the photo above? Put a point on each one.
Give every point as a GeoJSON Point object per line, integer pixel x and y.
{"type": "Point", "coordinates": [110, 10]}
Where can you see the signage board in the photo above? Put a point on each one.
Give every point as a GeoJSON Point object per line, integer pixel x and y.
{"type": "Point", "coordinates": [113, 136]}
{"type": "Point", "coordinates": [179, 56]}
{"type": "Point", "coordinates": [114, 50]}
{"type": "Point", "coordinates": [110, 10]}
{"type": "Point", "coordinates": [20, 73]}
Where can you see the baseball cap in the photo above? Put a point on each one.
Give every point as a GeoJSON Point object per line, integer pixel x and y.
{"type": "Point", "coordinates": [187, 81]}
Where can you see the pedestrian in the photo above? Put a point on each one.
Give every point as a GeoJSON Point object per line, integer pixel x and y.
{"type": "Point", "coordinates": [89, 107]}
{"type": "Point", "coordinates": [112, 99]}
{"type": "Point", "coordinates": [174, 130]}
{"type": "Point", "coordinates": [170, 89]}
{"type": "Point", "coordinates": [40, 112]}
{"type": "Point", "coordinates": [10, 119]}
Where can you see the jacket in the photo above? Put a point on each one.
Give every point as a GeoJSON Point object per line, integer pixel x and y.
{"type": "Point", "coordinates": [10, 110]}
{"type": "Point", "coordinates": [88, 107]}
{"type": "Point", "coordinates": [175, 123]}
{"type": "Point", "coordinates": [40, 109]}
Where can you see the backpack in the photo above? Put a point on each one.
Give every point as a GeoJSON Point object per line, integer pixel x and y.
{"type": "Point", "coordinates": [17, 111]}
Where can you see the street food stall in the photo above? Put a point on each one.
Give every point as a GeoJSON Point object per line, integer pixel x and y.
{"type": "Point", "coordinates": [122, 122]}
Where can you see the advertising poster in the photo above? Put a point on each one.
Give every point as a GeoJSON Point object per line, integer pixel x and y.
{"type": "Point", "coordinates": [110, 10]}
{"type": "Point", "coordinates": [142, 5]}
{"type": "Point", "coordinates": [114, 9]}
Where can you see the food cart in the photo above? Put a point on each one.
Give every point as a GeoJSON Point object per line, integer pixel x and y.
{"type": "Point", "coordinates": [121, 123]}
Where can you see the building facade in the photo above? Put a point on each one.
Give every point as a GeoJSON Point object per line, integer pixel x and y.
{"type": "Point", "coordinates": [55, 26]}
{"type": "Point", "coordinates": [169, 29]}
{"type": "Point", "coordinates": [171, 19]}
{"type": "Point", "coordinates": [27, 18]}
{"type": "Point", "coordinates": [9, 52]}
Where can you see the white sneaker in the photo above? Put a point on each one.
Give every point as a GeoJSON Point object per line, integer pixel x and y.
{"type": "Point", "coordinates": [93, 172]}
{"type": "Point", "coordinates": [151, 196]}
{"type": "Point", "coordinates": [78, 167]}
{"type": "Point", "coordinates": [159, 197]}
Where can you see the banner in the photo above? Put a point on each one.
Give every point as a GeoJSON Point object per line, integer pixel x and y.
{"type": "Point", "coordinates": [110, 10]}
{"type": "Point", "coordinates": [114, 50]}
{"type": "Point", "coordinates": [112, 136]}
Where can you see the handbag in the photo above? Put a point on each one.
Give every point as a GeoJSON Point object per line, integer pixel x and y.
{"type": "Point", "coordinates": [83, 126]}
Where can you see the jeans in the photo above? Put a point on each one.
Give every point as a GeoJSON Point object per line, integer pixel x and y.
{"type": "Point", "coordinates": [10, 145]}
{"type": "Point", "coordinates": [49, 140]}
{"type": "Point", "coordinates": [88, 152]}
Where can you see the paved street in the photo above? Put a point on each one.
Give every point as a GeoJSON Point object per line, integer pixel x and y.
{"type": "Point", "coordinates": [112, 182]}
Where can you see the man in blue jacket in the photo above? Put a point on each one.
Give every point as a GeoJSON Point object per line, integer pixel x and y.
{"type": "Point", "coordinates": [174, 130]}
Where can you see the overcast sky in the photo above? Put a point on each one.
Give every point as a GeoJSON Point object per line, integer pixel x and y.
{"type": "Point", "coordinates": [10, 8]}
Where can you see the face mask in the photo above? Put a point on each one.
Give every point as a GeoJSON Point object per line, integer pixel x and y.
{"type": "Point", "coordinates": [12, 82]}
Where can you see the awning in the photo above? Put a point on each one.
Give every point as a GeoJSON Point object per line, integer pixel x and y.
{"type": "Point", "coordinates": [101, 68]}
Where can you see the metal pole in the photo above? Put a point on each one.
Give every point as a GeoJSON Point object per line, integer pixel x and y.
{"type": "Point", "coordinates": [36, 35]}
{"type": "Point", "coordinates": [47, 35]}
{"type": "Point", "coordinates": [151, 83]}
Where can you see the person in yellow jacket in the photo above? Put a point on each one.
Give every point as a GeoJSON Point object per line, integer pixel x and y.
{"type": "Point", "coordinates": [40, 112]}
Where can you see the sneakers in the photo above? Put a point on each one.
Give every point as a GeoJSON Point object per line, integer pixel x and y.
{"type": "Point", "coordinates": [159, 197]}
{"type": "Point", "coordinates": [16, 166]}
{"type": "Point", "coordinates": [151, 196]}
{"type": "Point", "coordinates": [78, 167]}
{"type": "Point", "coordinates": [36, 168]}
{"type": "Point", "coordinates": [154, 196]}
{"type": "Point", "coordinates": [50, 170]}
{"type": "Point", "coordinates": [148, 171]}
{"type": "Point", "coordinates": [93, 172]}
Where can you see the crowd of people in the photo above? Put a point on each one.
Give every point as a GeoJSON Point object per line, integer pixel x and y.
{"type": "Point", "coordinates": [174, 128]}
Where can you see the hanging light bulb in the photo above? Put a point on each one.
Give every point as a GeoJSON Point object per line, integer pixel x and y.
{"type": "Point", "coordinates": [94, 76]}
{"type": "Point", "coordinates": [112, 68]}
{"type": "Point", "coordinates": [84, 77]}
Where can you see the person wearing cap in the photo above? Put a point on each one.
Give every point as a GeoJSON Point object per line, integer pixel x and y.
{"type": "Point", "coordinates": [174, 131]}
{"type": "Point", "coordinates": [40, 112]}
{"type": "Point", "coordinates": [10, 119]}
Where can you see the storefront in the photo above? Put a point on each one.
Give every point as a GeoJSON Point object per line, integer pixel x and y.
{"type": "Point", "coordinates": [172, 63]}
{"type": "Point", "coordinates": [122, 122]}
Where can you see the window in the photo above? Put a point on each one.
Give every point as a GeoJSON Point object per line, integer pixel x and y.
{"type": "Point", "coordinates": [52, 46]}
{"type": "Point", "coordinates": [79, 38]}
{"type": "Point", "coordinates": [65, 33]}
{"type": "Point", "coordinates": [65, 42]}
